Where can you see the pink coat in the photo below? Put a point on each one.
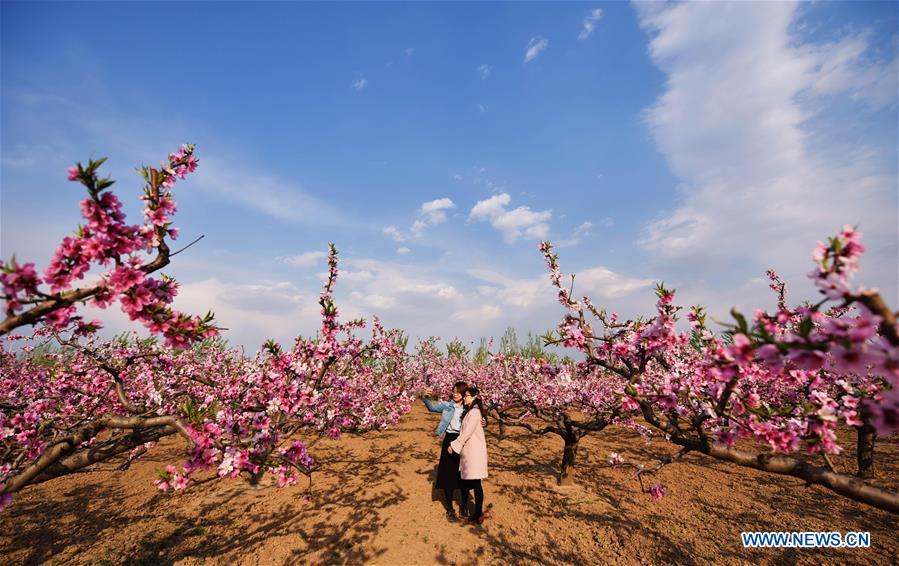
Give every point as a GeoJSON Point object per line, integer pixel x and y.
{"type": "Point", "coordinates": [471, 447]}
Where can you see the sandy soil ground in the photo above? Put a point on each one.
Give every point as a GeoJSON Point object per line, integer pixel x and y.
{"type": "Point", "coordinates": [373, 503]}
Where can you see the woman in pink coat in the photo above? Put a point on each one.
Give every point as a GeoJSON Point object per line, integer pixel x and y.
{"type": "Point", "coordinates": [472, 449]}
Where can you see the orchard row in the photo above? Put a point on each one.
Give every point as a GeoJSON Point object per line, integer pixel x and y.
{"type": "Point", "coordinates": [770, 392]}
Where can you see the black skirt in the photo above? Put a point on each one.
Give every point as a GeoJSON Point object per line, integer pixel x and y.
{"type": "Point", "coordinates": [448, 469]}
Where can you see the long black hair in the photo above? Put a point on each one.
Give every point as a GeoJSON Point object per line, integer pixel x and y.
{"type": "Point", "coordinates": [476, 393]}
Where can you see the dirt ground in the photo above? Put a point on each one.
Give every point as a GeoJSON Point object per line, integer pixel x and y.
{"type": "Point", "coordinates": [373, 503]}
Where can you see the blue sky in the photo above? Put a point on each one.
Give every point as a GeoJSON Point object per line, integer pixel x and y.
{"type": "Point", "coordinates": [694, 143]}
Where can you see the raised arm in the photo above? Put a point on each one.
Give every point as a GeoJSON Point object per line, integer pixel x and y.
{"type": "Point", "coordinates": [432, 406]}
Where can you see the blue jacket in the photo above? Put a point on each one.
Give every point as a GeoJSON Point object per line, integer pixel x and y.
{"type": "Point", "coordinates": [445, 407]}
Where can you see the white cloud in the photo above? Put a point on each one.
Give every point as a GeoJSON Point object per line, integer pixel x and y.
{"type": "Point", "coordinates": [525, 219]}
{"type": "Point", "coordinates": [252, 311]}
{"type": "Point", "coordinates": [412, 296]}
{"type": "Point", "coordinates": [515, 223]}
{"type": "Point", "coordinates": [487, 290]}
{"type": "Point", "coordinates": [484, 70]}
{"type": "Point", "coordinates": [844, 66]}
{"type": "Point", "coordinates": [305, 259]}
{"type": "Point", "coordinates": [360, 83]}
{"type": "Point", "coordinates": [394, 233]}
{"type": "Point", "coordinates": [517, 294]}
{"type": "Point", "coordinates": [535, 46]}
{"type": "Point", "coordinates": [511, 292]}
{"type": "Point", "coordinates": [407, 288]}
{"type": "Point", "coordinates": [418, 227]}
{"type": "Point", "coordinates": [482, 313]}
{"type": "Point", "coordinates": [602, 282]}
{"type": "Point", "coordinates": [457, 177]}
{"type": "Point", "coordinates": [435, 210]}
{"type": "Point", "coordinates": [403, 250]}
{"type": "Point", "coordinates": [589, 23]}
{"type": "Point", "coordinates": [380, 302]}
{"type": "Point", "coordinates": [431, 213]}
{"type": "Point", "coordinates": [741, 124]}
{"type": "Point", "coordinates": [579, 234]}
{"type": "Point", "coordinates": [490, 207]}
{"type": "Point", "coordinates": [356, 277]}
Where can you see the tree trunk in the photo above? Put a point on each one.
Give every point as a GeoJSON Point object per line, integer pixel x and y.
{"type": "Point", "coordinates": [845, 485]}
{"type": "Point", "coordinates": [502, 428]}
{"type": "Point", "coordinates": [568, 459]}
{"type": "Point", "coordinates": [865, 450]}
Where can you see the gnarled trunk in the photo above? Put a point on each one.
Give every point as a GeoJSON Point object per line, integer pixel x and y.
{"type": "Point", "coordinates": [865, 450]}
{"type": "Point", "coordinates": [569, 456]}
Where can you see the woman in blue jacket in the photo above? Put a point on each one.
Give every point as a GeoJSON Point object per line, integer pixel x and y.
{"type": "Point", "coordinates": [450, 425]}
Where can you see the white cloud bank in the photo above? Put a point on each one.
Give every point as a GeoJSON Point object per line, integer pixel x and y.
{"type": "Point", "coordinates": [736, 122]}
{"type": "Point", "coordinates": [514, 223]}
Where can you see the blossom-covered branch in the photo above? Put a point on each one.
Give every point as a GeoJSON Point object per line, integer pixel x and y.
{"type": "Point", "coordinates": [787, 379]}
{"type": "Point", "coordinates": [106, 240]}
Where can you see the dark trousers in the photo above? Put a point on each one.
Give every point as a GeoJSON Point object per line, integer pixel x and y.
{"type": "Point", "coordinates": [468, 485]}
{"type": "Point", "coordinates": [448, 499]}
{"type": "Point", "coordinates": [448, 470]}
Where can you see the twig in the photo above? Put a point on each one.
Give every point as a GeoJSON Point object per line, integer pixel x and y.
{"type": "Point", "coordinates": [187, 246]}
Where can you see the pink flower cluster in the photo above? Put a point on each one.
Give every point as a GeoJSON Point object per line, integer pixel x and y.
{"type": "Point", "coordinates": [19, 282]}
{"type": "Point", "coordinates": [106, 240]}
{"type": "Point", "coordinates": [656, 491]}
{"type": "Point", "coordinates": [171, 479]}
{"type": "Point", "coordinates": [837, 262]}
